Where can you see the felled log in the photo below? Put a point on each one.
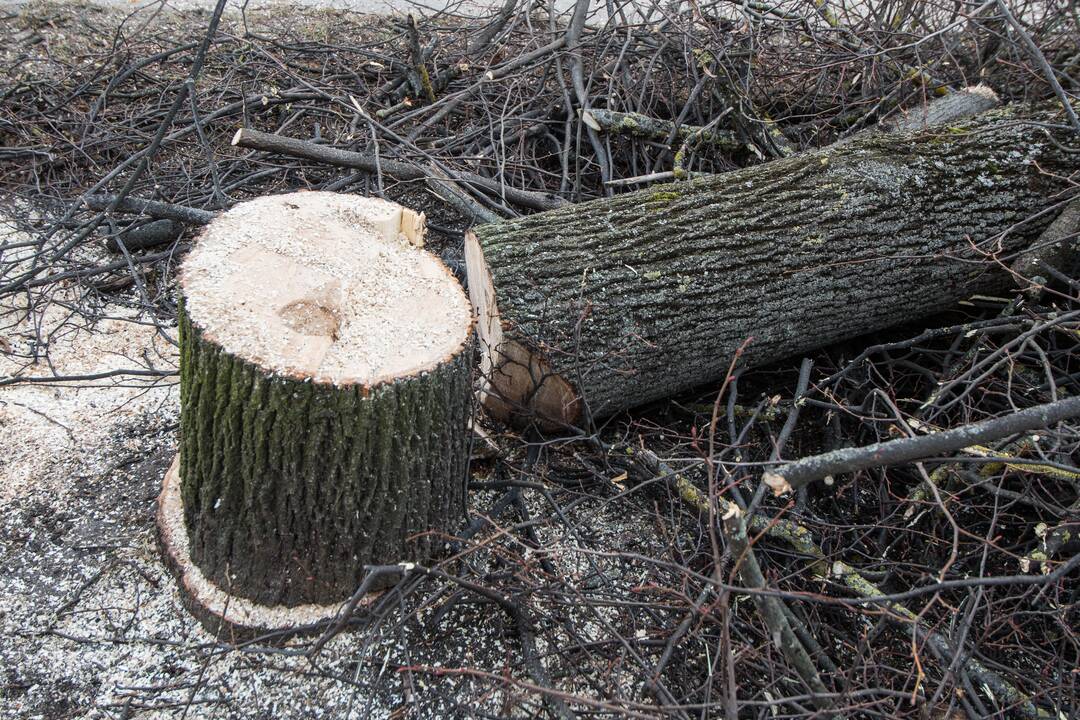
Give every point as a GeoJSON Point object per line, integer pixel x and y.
{"type": "Point", "coordinates": [325, 397]}
{"type": "Point", "coordinates": [593, 309]}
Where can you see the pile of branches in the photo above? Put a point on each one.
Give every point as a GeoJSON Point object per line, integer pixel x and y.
{"type": "Point", "coordinates": [497, 116]}
{"type": "Point", "coordinates": [940, 588]}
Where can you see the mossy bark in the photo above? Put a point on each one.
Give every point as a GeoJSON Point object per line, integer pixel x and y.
{"type": "Point", "coordinates": [640, 296]}
{"type": "Point", "coordinates": [637, 125]}
{"type": "Point", "coordinates": [291, 487]}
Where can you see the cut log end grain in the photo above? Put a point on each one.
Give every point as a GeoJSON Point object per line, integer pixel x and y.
{"type": "Point", "coordinates": [516, 382]}
{"type": "Point", "coordinates": [326, 389]}
{"type": "Point", "coordinates": [326, 288]}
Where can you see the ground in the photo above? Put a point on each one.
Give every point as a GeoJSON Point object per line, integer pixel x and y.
{"type": "Point", "coordinates": [597, 575]}
{"type": "Point", "coordinates": [363, 6]}
{"type": "Point", "coordinates": [91, 622]}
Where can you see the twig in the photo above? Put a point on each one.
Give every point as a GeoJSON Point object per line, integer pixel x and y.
{"type": "Point", "coordinates": [150, 208]}
{"type": "Point", "coordinates": [771, 608]}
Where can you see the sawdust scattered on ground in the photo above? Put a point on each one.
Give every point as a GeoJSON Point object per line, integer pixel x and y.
{"type": "Point", "coordinates": [46, 424]}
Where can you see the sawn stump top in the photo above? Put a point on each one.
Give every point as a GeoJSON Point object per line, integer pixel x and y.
{"type": "Point", "coordinates": [328, 287]}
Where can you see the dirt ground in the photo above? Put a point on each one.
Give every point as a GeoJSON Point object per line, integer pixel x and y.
{"type": "Point", "coordinates": [595, 579]}
{"type": "Point", "coordinates": [91, 623]}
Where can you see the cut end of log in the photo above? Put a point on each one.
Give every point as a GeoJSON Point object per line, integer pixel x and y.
{"type": "Point", "coordinates": [516, 382]}
{"type": "Point", "coordinates": [236, 138]}
{"type": "Point", "coordinates": [325, 287]}
{"type": "Point", "coordinates": [588, 119]}
{"type": "Point", "coordinates": [777, 483]}
{"type": "Point", "coordinates": [984, 91]}
{"type": "Point", "coordinates": [229, 616]}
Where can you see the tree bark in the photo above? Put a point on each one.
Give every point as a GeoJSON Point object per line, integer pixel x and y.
{"type": "Point", "coordinates": [291, 487]}
{"type": "Point", "coordinates": [593, 309]}
{"type": "Point", "coordinates": [638, 125]}
{"type": "Point", "coordinates": [291, 482]}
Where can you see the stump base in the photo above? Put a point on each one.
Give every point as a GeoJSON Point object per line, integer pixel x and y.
{"type": "Point", "coordinates": [228, 616]}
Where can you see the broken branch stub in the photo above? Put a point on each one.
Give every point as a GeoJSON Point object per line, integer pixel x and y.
{"type": "Point", "coordinates": [325, 395]}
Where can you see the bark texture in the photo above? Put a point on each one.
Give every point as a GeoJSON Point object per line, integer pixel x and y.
{"type": "Point", "coordinates": [290, 487]}
{"type": "Point", "coordinates": [640, 296]}
{"type": "Point", "coordinates": [637, 125]}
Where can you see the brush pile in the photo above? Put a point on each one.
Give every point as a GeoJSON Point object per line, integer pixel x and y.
{"type": "Point", "coordinates": [641, 566]}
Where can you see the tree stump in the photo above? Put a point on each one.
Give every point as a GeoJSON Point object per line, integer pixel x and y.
{"type": "Point", "coordinates": [325, 397]}
{"type": "Point", "coordinates": [595, 308]}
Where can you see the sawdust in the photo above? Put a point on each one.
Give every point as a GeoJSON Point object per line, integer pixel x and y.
{"type": "Point", "coordinates": [42, 424]}
{"type": "Point", "coordinates": [91, 621]}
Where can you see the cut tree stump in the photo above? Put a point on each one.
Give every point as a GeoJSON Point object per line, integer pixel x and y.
{"type": "Point", "coordinates": [588, 310]}
{"type": "Point", "coordinates": [325, 397]}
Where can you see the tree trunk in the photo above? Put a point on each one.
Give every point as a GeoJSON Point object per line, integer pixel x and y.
{"type": "Point", "coordinates": [325, 395]}
{"type": "Point", "coordinates": [619, 301]}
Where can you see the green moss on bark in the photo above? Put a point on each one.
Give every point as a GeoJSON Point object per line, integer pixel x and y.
{"type": "Point", "coordinates": [291, 487]}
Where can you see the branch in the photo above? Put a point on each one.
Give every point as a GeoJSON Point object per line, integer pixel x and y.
{"type": "Point", "coordinates": [643, 126]}
{"type": "Point", "coordinates": [895, 452]}
{"type": "Point", "coordinates": [771, 608]}
{"type": "Point", "coordinates": [951, 108]}
{"type": "Point", "coordinates": [801, 540]}
{"type": "Point", "coordinates": [417, 57]}
{"type": "Point", "coordinates": [255, 140]}
{"type": "Point", "coordinates": [152, 234]}
{"type": "Point", "coordinates": [151, 208]}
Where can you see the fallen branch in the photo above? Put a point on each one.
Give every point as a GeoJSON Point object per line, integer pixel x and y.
{"type": "Point", "coordinates": [771, 608]}
{"type": "Point", "coordinates": [417, 57]}
{"type": "Point", "coordinates": [802, 541]}
{"type": "Point", "coordinates": [152, 234]}
{"type": "Point", "coordinates": [951, 108]}
{"type": "Point", "coordinates": [267, 142]}
{"type": "Point", "coordinates": [151, 208]}
{"type": "Point", "coordinates": [895, 452]}
{"type": "Point", "coordinates": [643, 126]}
